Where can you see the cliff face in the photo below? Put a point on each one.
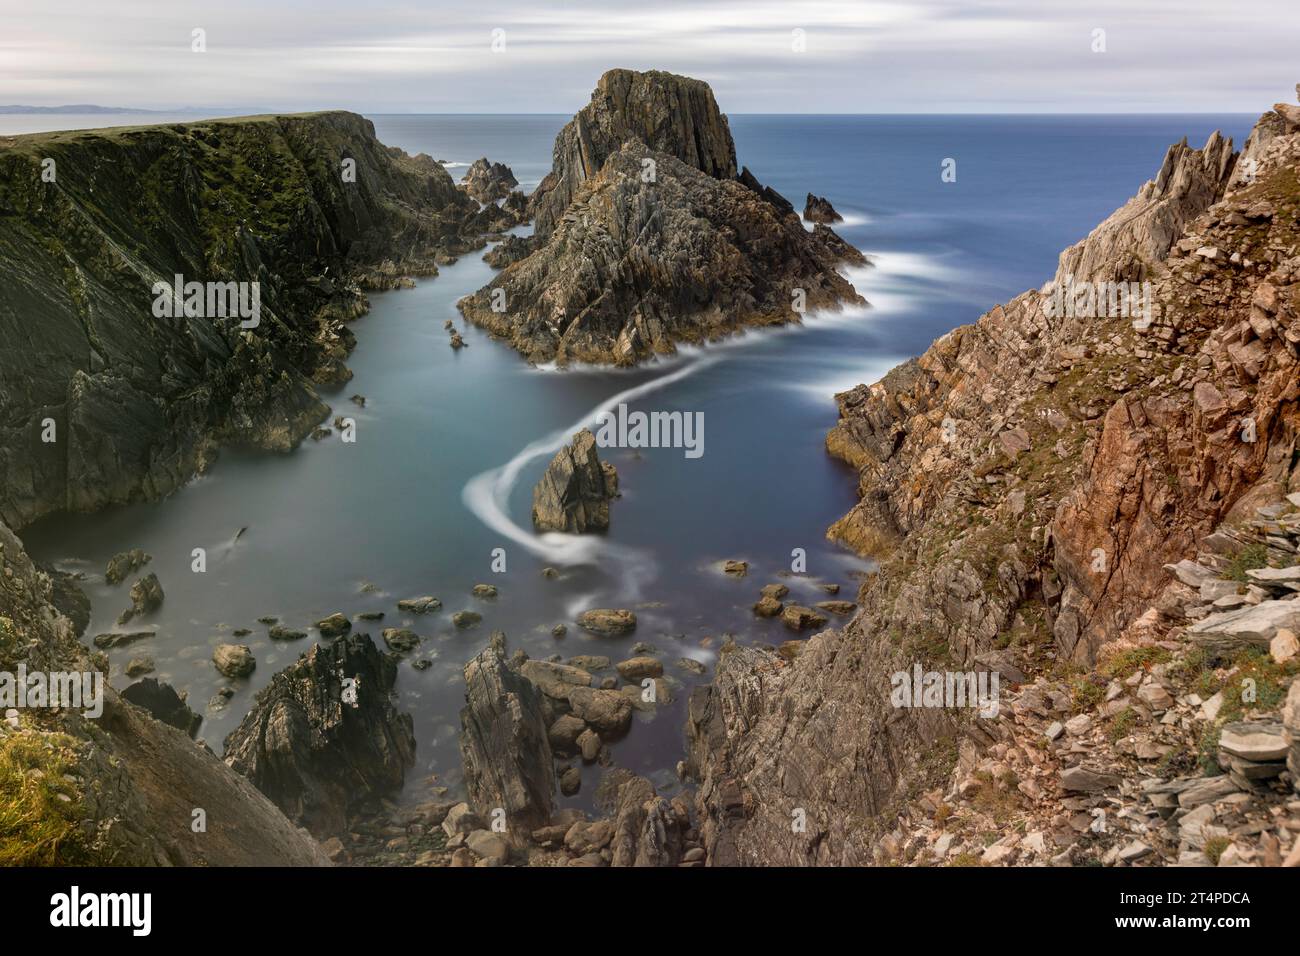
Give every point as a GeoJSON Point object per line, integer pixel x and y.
{"type": "Point", "coordinates": [1025, 482]}
{"type": "Point", "coordinates": [646, 237]}
{"type": "Point", "coordinates": [313, 208]}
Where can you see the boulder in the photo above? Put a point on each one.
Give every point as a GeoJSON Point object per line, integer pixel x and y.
{"type": "Point", "coordinates": [607, 622]}
{"type": "Point", "coordinates": [334, 626]}
{"type": "Point", "coordinates": [234, 660]}
{"type": "Point", "coordinates": [607, 711]}
{"type": "Point", "coordinates": [120, 566]}
{"type": "Point", "coordinates": [146, 597]}
{"type": "Point", "coordinates": [1251, 626]}
{"type": "Point", "coordinates": [637, 668]}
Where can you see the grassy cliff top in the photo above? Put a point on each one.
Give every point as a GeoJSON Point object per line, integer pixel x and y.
{"type": "Point", "coordinates": [121, 132]}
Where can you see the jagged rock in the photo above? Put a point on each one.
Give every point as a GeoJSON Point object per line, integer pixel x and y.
{"type": "Point", "coordinates": [1084, 779]}
{"type": "Point", "coordinates": [1142, 231]}
{"type": "Point", "coordinates": [146, 597]}
{"type": "Point", "coordinates": [234, 660]}
{"type": "Point", "coordinates": [673, 115]}
{"type": "Point", "coordinates": [162, 701]}
{"type": "Point", "coordinates": [818, 209]}
{"type": "Point", "coordinates": [574, 493]}
{"type": "Point", "coordinates": [607, 622]}
{"type": "Point", "coordinates": [646, 236]}
{"type": "Point", "coordinates": [120, 566]}
{"type": "Point", "coordinates": [487, 182]}
{"type": "Point", "coordinates": [648, 830]}
{"type": "Point", "coordinates": [504, 744]}
{"type": "Point", "coordinates": [325, 735]}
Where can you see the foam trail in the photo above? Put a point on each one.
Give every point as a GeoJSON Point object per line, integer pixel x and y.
{"type": "Point", "coordinates": [487, 495]}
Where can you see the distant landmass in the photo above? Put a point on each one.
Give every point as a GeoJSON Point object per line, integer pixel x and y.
{"type": "Point", "coordinates": [75, 108]}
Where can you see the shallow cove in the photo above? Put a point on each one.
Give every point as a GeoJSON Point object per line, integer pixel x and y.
{"type": "Point", "coordinates": [413, 506]}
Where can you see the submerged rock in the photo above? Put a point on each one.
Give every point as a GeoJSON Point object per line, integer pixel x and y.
{"type": "Point", "coordinates": [608, 622]}
{"type": "Point", "coordinates": [574, 494]}
{"type": "Point", "coordinates": [317, 746]}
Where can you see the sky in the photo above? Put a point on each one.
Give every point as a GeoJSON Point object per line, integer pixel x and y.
{"type": "Point", "coordinates": [760, 56]}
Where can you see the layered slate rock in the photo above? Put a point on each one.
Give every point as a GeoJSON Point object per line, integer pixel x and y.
{"type": "Point", "coordinates": [647, 237]}
{"type": "Point", "coordinates": [311, 750]}
{"type": "Point", "coordinates": [504, 745]}
{"type": "Point", "coordinates": [487, 181]}
{"type": "Point", "coordinates": [574, 494]}
{"type": "Point", "coordinates": [672, 115]}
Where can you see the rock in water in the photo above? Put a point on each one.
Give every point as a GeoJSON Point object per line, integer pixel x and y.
{"type": "Point", "coordinates": [646, 236]}
{"type": "Point", "coordinates": [575, 492]}
{"type": "Point", "coordinates": [487, 181]}
{"type": "Point", "coordinates": [315, 752]}
{"type": "Point", "coordinates": [504, 743]}
{"type": "Point", "coordinates": [162, 701]}
{"type": "Point", "coordinates": [819, 209]}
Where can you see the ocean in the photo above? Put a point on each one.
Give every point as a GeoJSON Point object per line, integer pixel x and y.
{"type": "Point", "coordinates": [449, 444]}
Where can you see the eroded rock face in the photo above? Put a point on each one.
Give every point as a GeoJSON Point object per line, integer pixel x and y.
{"type": "Point", "coordinates": [504, 744]}
{"type": "Point", "coordinates": [673, 115]}
{"type": "Point", "coordinates": [1098, 452]}
{"type": "Point", "coordinates": [313, 752]}
{"type": "Point", "coordinates": [487, 181]}
{"type": "Point", "coordinates": [646, 237]}
{"type": "Point", "coordinates": [574, 493]}
{"type": "Point", "coordinates": [140, 402]}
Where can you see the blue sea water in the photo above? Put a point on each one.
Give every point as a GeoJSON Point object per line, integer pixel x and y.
{"type": "Point", "coordinates": [450, 443]}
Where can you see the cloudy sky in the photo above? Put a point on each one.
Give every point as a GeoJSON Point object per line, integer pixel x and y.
{"type": "Point", "coordinates": [856, 57]}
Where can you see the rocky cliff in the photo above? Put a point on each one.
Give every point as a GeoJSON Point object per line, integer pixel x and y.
{"type": "Point", "coordinates": [104, 400]}
{"type": "Point", "coordinates": [646, 236]}
{"type": "Point", "coordinates": [1026, 483]}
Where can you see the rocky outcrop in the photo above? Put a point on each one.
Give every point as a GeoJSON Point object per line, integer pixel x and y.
{"type": "Point", "coordinates": [325, 737]}
{"type": "Point", "coordinates": [574, 493]}
{"type": "Point", "coordinates": [130, 784]}
{"type": "Point", "coordinates": [1139, 234]}
{"type": "Point", "coordinates": [504, 745]}
{"type": "Point", "coordinates": [819, 209]}
{"type": "Point", "coordinates": [646, 237]}
{"type": "Point", "coordinates": [108, 400]}
{"type": "Point", "coordinates": [671, 115]}
{"type": "Point", "coordinates": [510, 250]}
{"type": "Point", "coordinates": [487, 182]}
{"type": "Point", "coordinates": [1024, 484]}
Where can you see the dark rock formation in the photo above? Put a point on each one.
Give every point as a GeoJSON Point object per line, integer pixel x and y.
{"type": "Point", "coordinates": [671, 115]}
{"type": "Point", "coordinates": [320, 748]}
{"type": "Point", "coordinates": [649, 830]}
{"type": "Point", "coordinates": [146, 597]}
{"type": "Point", "coordinates": [162, 701]}
{"type": "Point", "coordinates": [646, 236]}
{"type": "Point", "coordinates": [137, 403]}
{"type": "Point", "coordinates": [574, 493]}
{"type": "Point", "coordinates": [819, 209]}
{"type": "Point", "coordinates": [504, 744]}
{"type": "Point", "coordinates": [487, 182]}
{"type": "Point", "coordinates": [120, 566]}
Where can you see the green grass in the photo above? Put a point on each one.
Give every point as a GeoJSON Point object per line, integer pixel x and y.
{"type": "Point", "coordinates": [40, 811]}
{"type": "Point", "coordinates": [1249, 558]}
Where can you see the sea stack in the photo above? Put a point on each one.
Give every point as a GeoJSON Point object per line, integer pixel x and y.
{"type": "Point", "coordinates": [646, 235]}
{"type": "Point", "coordinates": [819, 209]}
{"type": "Point", "coordinates": [574, 494]}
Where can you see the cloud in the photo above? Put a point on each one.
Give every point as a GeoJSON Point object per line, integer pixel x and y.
{"type": "Point", "coordinates": [915, 56]}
